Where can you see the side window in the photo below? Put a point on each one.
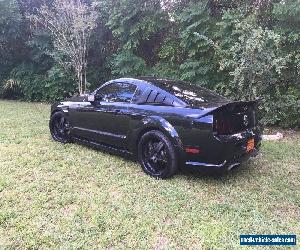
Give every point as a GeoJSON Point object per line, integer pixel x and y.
{"type": "Point", "coordinates": [117, 92]}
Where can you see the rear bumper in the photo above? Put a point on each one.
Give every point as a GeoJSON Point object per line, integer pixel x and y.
{"type": "Point", "coordinates": [227, 165]}
{"type": "Point", "coordinates": [218, 153]}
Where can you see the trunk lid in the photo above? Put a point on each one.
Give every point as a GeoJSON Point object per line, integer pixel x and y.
{"type": "Point", "coordinates": [234, 117]}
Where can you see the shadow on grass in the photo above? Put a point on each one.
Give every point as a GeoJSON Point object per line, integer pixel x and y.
{"type": "Point", "coordinates": [240, 172]}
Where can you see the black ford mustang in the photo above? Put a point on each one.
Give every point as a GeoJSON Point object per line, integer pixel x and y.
{"type": "Point", "coordinates": [164, 123]}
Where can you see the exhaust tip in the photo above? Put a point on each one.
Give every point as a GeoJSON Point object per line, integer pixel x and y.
{"type": "Point", "coordinates": [233, 166]}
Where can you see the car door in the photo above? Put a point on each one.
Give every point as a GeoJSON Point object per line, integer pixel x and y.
{"type": "Point", "coordinates": [106, 120]}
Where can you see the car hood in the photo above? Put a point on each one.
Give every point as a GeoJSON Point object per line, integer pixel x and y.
{"type": "Point", "coordinates": [76, 99]}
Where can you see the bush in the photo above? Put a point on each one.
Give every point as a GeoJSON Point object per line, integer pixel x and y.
{"type": "Point", "coordinates": [56, 84]}
{"type": "Point", "coordinates": [283, 110]}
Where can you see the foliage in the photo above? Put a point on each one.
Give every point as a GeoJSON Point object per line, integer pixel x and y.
{"type": "Point", "coordinates": [54, 85]}
{"type": "Point", "coordinates": [197, 40]}
{"type": "Point", "coordinates": [282, 109]}
{"type": "Point", "coordinates": [138, 31]}
{"type": "Point", "coordinates": [251, 56]}
{"type": "Point", "coordinates": [69, 23]}
{"type": "Point", "coordinates": [256, 67]}
{"type": "Point", "coordinates": [126, 63]}
{"type": "Point", "coordinates": [241, 49]}
{"type": "Point", "coordinates": [11, 89]}
{"type": "Point", "coordinates": [12, 40]}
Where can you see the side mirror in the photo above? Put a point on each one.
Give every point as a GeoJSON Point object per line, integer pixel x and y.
{"type": "Point", "coordinates": [91, 98]}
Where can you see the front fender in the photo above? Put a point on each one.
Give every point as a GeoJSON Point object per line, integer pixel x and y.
{"type": "Point", "coordinates": [155, 123]}
{"type": "Point", "coordinates": [59, 106]}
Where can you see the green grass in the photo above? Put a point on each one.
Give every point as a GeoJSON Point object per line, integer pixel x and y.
{"type": "Point", "coordinates": [71, 196]}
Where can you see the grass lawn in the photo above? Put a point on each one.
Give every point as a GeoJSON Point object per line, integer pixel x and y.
{"type": "Point", "coordinates": [71, 196]}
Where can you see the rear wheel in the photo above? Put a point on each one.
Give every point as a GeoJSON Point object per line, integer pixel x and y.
{"type": "Point", "coordinates": [60, 127]}
{"type": "Point", "coordinates": [157, 155]}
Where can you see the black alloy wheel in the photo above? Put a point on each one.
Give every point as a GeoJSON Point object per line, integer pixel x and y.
{"type": "Point", "coordinates": [60, 127]}
{"type": "Point", "coordinates": [157, 155]}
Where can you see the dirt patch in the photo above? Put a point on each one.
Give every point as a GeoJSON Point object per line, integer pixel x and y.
{"type": "Point", "coordinates": [162, 243]}
{"type": "Point", "coordinates": [287, 133]}
{"type": "Point", "coordinates": [289, 211]}
{"type": "Point", "coordinates": [69, 210]}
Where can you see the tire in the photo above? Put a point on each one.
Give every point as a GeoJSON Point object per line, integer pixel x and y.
{"type": "Point", "coordinates": [60, 127]}
{"type": "Point", "coordinates": [156, 155]}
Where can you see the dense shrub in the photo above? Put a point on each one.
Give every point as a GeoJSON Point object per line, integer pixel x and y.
{"type": "Point", "coordinates": [55, 84]}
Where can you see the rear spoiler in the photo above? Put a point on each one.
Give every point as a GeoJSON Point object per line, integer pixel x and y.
{"type": "Point", "coordinates": [231, 105]}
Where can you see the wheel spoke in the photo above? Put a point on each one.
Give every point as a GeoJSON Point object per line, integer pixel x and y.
{"type": "Point", "coordinates": [56, 125]}
{"type": "Point", "coordinates": [66, 127]}
{"type": "Point", "coordinates": [159, 146]}
{"type": "Point", "coordinates": [62, 122]}
{"type": "Point", "coordinates": [146, 153]}
{"type": "Point", "coordinates": [150, 147]}
{"type": "Point", "coordinates": [162, 159]}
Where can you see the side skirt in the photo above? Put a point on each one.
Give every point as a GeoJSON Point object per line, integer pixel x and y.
{"type": "Point", "coordinates": [104, 147]}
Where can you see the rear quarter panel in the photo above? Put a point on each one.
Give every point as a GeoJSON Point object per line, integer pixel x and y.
{"type": "Point", "coordinates": [175, 122]}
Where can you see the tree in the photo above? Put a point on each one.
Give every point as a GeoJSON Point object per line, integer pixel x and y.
{"type": "Point", "coordinates": [69, 24]}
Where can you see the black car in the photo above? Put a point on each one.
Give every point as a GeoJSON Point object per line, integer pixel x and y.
{"type": "Point", "coordinates": [164, 123]}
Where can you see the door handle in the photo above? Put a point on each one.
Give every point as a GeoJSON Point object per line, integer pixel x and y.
{"type": "Point", "coordinates": [99, 109]}
{"type": "Point", "coordinates": [117, 111]}
{"type": "Point", "coordinates": [114, 111]}
{"type": "Point", "coordinates": [120, 112]}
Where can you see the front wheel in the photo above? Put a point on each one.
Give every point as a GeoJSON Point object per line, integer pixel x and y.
{"type": "Point", "coordinates": [157, 155]}
{"type": "Point", "coordinates": [60, 127]}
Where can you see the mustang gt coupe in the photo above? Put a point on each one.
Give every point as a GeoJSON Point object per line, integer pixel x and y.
{"type": "Point", "coordinates": [165, 124]}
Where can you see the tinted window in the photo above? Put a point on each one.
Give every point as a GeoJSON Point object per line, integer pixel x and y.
{"type": "Point", "coordinates": [117, 92]}
{"type": "Point", "coordinates": [190, 93]}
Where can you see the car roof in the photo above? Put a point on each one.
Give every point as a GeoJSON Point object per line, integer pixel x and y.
{"type": "Point", "coordinates": [150, 93]}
